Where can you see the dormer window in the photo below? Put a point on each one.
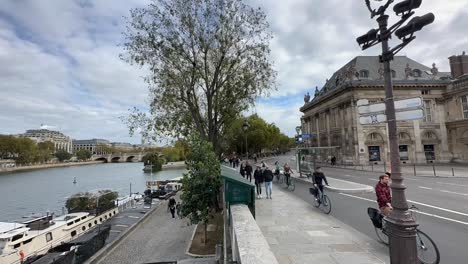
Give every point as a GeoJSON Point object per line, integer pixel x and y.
{"type": "Point", "coordinates": [364, 74]}
{"type": "Point", "coordinates": [416, 73]}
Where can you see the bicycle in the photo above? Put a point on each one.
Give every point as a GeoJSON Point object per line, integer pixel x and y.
{"type": "Point", "coordinates": [291, 185]}
{"type": "Point", "coordinates": [428, 253]}
{"type": "Point", "coordinates": [321, 200]}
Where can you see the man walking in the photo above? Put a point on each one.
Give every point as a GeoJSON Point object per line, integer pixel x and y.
{"type": "Point", "coordinates": [384, 198]}
{"type": "Point", "coordinates": [242, 170]}
{"type": "Point", "coordinates": [258, 177]}
{"type": "Point", "coordinates": [268, 176]}
{"type": "Point", "coordinates": [171, 205]}
{"type": "Point", "coordinates": [248, 171]}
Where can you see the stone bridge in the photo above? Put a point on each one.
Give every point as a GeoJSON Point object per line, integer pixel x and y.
{"type": "Point", "coordinates": [120, 157]}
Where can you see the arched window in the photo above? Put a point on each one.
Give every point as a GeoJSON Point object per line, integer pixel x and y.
{"type": "Point", "coordinates": [364, 74]}
{"type": "Point", "coordinates": [416, 73]}
{"type": "Point", "coordinates": [393, 73]}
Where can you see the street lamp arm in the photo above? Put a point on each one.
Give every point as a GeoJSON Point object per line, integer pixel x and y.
{"type": "Point", "coordinates": [388, 56]}
{"type": "Point", "coordinates": [379, 11]}
{"type": "Point", "coordinates": [396, 26]}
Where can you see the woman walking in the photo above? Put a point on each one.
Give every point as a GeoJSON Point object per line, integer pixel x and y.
{"type": "Point", "coordinates": [258, 176]}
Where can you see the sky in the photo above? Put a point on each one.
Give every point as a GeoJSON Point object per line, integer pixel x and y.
{"type": "Point", "coordinates": [60, 66]}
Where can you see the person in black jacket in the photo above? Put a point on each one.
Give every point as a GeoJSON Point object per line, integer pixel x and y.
{"type": "Point", "coordinates": [258, 176]}
{"type": "Point", "coordinates": [318, 178]}
{"type": "Point", "coordinates": [242, 170]}
{"type": "Point", "coordinates": [268, 176]}
{"type": "Point", "coordinates": [248, 171]}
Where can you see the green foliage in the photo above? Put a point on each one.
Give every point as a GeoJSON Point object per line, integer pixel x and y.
{"type": "Point", "coordinates": [83, 154]}
{"type": "Point", "coordinates": [103, 199]}
{"type": "Point", "coordinates": [63, 155]}
{"type": "Point", "coordinates": [202, 183]}
{"type": "Point", "coordinates": [260, 136]}
{"type": "Point", "coordinates": [155, 159]}
{"type": "Point", "coordinates": [209, 62]}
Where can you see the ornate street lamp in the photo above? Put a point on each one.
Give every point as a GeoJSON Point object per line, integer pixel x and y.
{"type": "Point", "coordinates": [401, 226]}
{"type": "Point", "coordinates": [245, 127]}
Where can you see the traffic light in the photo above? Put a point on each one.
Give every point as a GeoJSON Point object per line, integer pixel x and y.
{"type": "Point", "coordinates": [405, 7]}
{"type": "Point", "coordinates": [415, 24]}
{"type": "Point", "coordinates": [367, 38]}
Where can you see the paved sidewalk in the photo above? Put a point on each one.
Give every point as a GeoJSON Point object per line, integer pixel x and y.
{"type": "Point", "coordinates": [299, 233]}
{"type": "Point", "coordinates": [159, 238]}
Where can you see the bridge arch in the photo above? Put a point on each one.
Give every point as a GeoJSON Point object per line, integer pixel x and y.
{"type": "Point", "coordinates": [130, 158]}
{"type": "Point", "coordinates": [101, 159]}
{"type": "Point", "coordinates": [115, 159]}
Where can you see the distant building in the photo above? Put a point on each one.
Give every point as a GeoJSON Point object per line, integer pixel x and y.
{"type": "Point", "coordinates": [61, 142]}
{"type": "Point", "coordinates": [95, 146]}
{"type": "Point", "coordinates": [122, 145]}
{"type": "Point", "coordinates": [333, 120]}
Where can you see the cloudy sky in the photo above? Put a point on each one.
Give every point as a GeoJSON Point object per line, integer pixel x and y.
{"type": "Point", "coordinates": [60, 65]}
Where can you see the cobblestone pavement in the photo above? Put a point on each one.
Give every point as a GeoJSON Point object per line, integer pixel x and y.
{"type": "Point", "coordinates": [159, 238]}
{"type": "Point", "coordinates": [298, 233]}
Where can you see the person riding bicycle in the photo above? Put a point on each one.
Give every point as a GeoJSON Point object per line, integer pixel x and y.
{"type": "Point", "coordinates": [277, 169]}
{"type": "Point", "coordinates": [318, 178]}
{"type": "Point", "coordinates": [287, 172]}
{"type": "Point", "coordinates": [384, 197]}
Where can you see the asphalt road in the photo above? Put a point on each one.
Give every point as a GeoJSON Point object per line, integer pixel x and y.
{"type": "Point", "coordinates": [442, 203]}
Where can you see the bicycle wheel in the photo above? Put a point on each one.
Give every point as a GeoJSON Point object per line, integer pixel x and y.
{"type": "Point", "coordinates": [383, 237]}
{"type": "Point", "coordinates": [326, 204]}
{"type": "Point", "coordinates": [428, 253]}
{"type": "Point", "coordinates": [316, 202]}
{"type": "Point", "coordinates": [291, 186]}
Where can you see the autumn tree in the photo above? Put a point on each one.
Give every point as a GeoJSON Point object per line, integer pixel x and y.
{"type": "Point", "coordinates": [208, 61]}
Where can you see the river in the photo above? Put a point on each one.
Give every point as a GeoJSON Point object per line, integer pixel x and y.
{"type": "Point", "coordinates": [39, 191]}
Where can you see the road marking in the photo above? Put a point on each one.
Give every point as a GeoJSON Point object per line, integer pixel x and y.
{"type": "Point", "coordinates": [445, 191]}
{"type": "Point", "coordinates": [131, 216]}
{"type": "Point", "coordinates": [372, 179]}
{"type": "Point", "coordinates": [115, 231]}
{"type": "Point", "coordinates": [121, 225]}
{"type": "Point", "coordinates": [453, 184]}
{"type": "Point", "coordinates": [422, 187]}
{"type": "Point", "coordinates": [419, 212]}
{"type": "Point", "coordinates": [439, 208]}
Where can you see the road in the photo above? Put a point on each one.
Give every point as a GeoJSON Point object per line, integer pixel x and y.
{"type": "Point", "coordinates": [442, 203]}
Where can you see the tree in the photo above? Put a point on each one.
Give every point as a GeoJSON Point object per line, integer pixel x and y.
{"type": "Point", "coordinates": [202, 182]}
{"type": "Point", "coordinates": [208, 61]}
{"type": "Point", "coordinates": [26, 150]}
{"type": "Point", "coordinates": [45, 151]}
{"type": "Point", "coordinates": [83, 154]}
{"type": "Point", "coordinates": [154, 158]}
{"type": "Point", "coordinates": [63, 155]}
{"type": "Point", "coordinates": [7, 146]}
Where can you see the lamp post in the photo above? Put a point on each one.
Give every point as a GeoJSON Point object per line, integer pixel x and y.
{"type": "Point", "coordinates": [298, 159]}
{"type": "Point", "coordinates": [245, 127]}
{"type": "Point", "coordinates": [401, 226]}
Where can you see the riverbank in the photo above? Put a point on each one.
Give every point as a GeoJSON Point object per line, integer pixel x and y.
{"type": "Point", "coordinates": [47, 166]}
{"type": "Point", "coordinates": [174, 165]}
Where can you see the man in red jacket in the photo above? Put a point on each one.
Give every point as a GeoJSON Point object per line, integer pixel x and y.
{"type": "Point", "coordinates": [384, 198]}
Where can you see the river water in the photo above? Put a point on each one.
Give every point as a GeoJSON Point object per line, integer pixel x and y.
{"type": "Point", "coordinates": [39, 191]}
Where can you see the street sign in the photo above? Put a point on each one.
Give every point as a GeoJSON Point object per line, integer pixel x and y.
{"type": "Point", "coordinates": [400, 116]}
{"type": "Point", "coordinates": [399, 105]}
{"type": "Point", "coordinates": [305, 136]}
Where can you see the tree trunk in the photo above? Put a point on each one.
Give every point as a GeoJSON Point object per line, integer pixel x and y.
{"type": "Point", "coordinates": [204, 233]}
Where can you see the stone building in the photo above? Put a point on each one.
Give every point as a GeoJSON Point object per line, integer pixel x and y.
{"type": "Point", "coordinates": [442, 136]}
{"type": "Point", "coordinates": [95, 146]}
{"type": "Point", "coordinates": [61, 142]}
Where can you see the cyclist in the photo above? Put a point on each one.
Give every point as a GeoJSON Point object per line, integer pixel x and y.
{"type": "Point", "coordinates": [277, 170]}
{"type": "Point", "coordinates": [318, 178]}
{"type": "Point", "coordinates": [287, 172]}
{"type": "Point", "coordinates": [384, 197]}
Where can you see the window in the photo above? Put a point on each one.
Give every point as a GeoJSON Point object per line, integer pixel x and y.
{"type": "Point", "coordinates": [429, 152]}
{"type": "Point", "coordinates": [374, 153]}
{"type": "Point", "coordinates": [465, 106]}
{"type": "Point", "coordinates": [403, 152]}
{"type": "Point", "coordinates": [424, 92]}
{"type": "Point", "coordinates": [48, 236]}
{"type": "Point", "coordinates": [95, 222]}
{"type": "Point", "coordinates": [90, 225]}
{"type": "Point", "coordinates": [27, 241]}
{"type": "Point", "coordinates": [17, 237]}
{"type": "Point", "coordinates": [364, 74]}
{"type": "Point", "coordinates": [416, 73]}
{"type": "Point", "coordinates": [83, 228]}
{"type": "Point", "coordinates": [393, 74]}
{"type": "Point", "coordinates": [427, 111]}
{"type": "Point", "coordinates": [332, 118]}
{"type": "Point", "coordinates": [73, 233]}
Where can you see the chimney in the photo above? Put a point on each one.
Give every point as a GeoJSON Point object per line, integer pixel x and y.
{"type": "Point", "coordinates": [459, 65]}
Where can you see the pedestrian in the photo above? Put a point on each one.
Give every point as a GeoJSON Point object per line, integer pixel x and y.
{"type": "Point", "coordinates": [171, 206]}
{"type": "Point", "coordinates": [242, 170]}
{"type": "Point", "coordinates": [268, 177]}
{"type": "Point", "coordinates": [178, 208]}
{"type": "Point", "coordinates": [333, 161]}
{"type": "Point", "coordinates": [248, 171]}
{"type": "Point", "coordinates": [237, 162]}
{"type": "Point", "coordinates": [230, 162]}
{"type": "Point", "coordinates": [384, 197]}
{"type": "Point", "coordinates": [258, 176]}
{"type": "Point", "coordinates": [255, 157]}
{"type": "Point", "coordinates": [263, 166]}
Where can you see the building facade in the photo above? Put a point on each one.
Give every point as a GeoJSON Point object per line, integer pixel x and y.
{"type": "Point", "coordinates": [95, 146]}
{"type": "Point", "coordinates": [61, 142]}
{"type": "Point", "coordinates": [122, 146]}
{"type": "Point", "coordinates": [442, 136]}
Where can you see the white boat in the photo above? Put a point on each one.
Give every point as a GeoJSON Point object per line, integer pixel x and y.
{"type": "Point", "coordinates": [35, 237]}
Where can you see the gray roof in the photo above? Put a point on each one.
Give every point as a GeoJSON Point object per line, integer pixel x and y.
{"type": "Point", "coordinates": [350, 72]}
